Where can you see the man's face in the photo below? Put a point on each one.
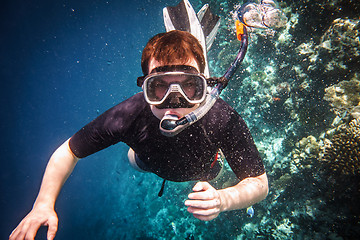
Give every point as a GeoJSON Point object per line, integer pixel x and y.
{"type": "Point", "coordinates": [179, 112]}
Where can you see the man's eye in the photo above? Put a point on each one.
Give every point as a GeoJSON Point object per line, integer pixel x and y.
{"type": "Point", "coordinates": [188, 83]}
{"type": "Point", "coordinates": [161, 85]}
{"type": "Point", "coordinates": [158, 84]}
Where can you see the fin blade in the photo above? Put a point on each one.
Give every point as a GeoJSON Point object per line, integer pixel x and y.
{"type": "Point", "coordinates": [210, 24]}
{"type": "Point", "coordinates": [202, 11]}
{"type": "Point", "coordinates": [175, 17]}
{"type": "Point", "coordinates": [183, 17]}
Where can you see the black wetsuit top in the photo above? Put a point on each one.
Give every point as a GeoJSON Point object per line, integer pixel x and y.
{"type": "Point", "coordinates": [186, 156]}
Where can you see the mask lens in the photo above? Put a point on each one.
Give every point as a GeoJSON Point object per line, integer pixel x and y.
{"type": "Point", "coordinates": [156, 88]}
{"type": "Point", "coordinates": [159, 86]}
{"type": "Point", "coordinates": [193, 87]}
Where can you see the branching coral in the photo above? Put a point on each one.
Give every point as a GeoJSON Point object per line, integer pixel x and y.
{"type": "Point", "coordinates": [342, 153]}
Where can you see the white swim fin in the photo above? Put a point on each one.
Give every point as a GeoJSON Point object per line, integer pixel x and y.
{"type": "Point", "coordinates": [209, 23]}
{"type": "Point", "coordinates": [203, 25]}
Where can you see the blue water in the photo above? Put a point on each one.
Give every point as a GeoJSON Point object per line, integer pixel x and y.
{"type": "Point", "coordinates": [65, 62]}
{"type": "Point", "coordinates": [62, 63]}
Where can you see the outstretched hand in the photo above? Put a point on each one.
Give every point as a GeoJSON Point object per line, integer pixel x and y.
{"type": "Point", "coordinates": [29, 226]}
{"type": "Point", "coordinates": [204, 202]}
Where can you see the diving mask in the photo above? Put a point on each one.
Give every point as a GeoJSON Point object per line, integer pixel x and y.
{"type": "Point", "coordinates": [184, 85]}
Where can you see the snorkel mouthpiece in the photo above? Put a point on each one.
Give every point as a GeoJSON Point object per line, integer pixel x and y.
{"type": "Point", "coordinates": [169, 122]}
{"type": "Point", "coordinates": [170, 125]}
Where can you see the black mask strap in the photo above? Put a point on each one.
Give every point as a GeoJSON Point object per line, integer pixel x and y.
{"type": "Point", "coordinates": [175, 68]}
{"type": "Point", "coordinates": [212, 81]}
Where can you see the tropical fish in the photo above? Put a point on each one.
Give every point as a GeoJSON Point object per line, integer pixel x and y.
{"type": "Point", "coordinates": [250, 211]}
{"type": "Point", "coordinates": [173, 225]}
{"type": "Point", "coordinates": [276, 99]}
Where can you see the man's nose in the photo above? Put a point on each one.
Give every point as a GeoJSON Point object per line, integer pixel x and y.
{"type": "Point", "coordinates": [175, 97]}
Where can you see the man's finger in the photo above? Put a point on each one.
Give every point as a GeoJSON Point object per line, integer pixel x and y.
{"type": "Point", "coordinates": [20, 231]}
{"type": "Point", "coordinates": [202, 204]}
{"type": "Point", "coordinates": [203, 195]}
{"type": "Point", "coordinates": [205, 218]}
{"type": "Point", "coordinates": [14, 234]}
{"type": "Point", "coordinates": [201, 186]}
{"type": "Point", "coordinates": [203, 212]}
{"type": "Point", "coordinates": [31, 232]}
{"type": "Point", "coordinates": [53, 226]}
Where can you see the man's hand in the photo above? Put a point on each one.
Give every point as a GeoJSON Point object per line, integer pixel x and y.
{"type": "Point", "coordinates": [59, 167]}
{"type": "Point", "coordinates": [204, 203]}
{"type": "Point", "coordinates": [29, 226]}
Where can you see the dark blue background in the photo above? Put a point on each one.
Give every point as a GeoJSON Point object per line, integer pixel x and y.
{"type": "Point", "coordinates": [62, 63]}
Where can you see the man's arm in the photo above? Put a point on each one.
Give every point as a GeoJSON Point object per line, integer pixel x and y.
{"type": "Point", "coordinates": [58, 169]}
{"type": "Point", "coordinates": [244, 194]}
{"type": "Point", "coordinates": [206, 202]}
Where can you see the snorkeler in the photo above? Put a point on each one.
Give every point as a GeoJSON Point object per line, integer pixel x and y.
{"type": "Point", "coordinates": [174, 85]}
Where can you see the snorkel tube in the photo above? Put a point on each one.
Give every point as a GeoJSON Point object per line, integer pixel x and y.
{"type": "Point", "coordinates": [170, 125]}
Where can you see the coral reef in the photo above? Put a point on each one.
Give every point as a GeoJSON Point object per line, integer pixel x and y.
{"type": "Point", "coordinates": [345, 97]}
{"type": "Point", "coordinates": [280, 93]}
{"type": "Point", "coordinates": [342, 153]}
{"type": "Point", "coordinates": [342, 41]}
{"type": "Point", "coordinates": [337, 53]}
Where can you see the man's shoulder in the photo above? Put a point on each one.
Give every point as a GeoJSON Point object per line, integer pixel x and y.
{"type": "Point", "coordinates": [127, 110]}
{"type": "Point", "coordinates": [223, 115]}
{"type": "Point", "coordinates": [222, 107]}
{"type": "Point", "coordinates": [222, 103]}
{"type": "Point", "coordinates": [137, 98]}
{"type": "Point", "coordinates": [133, 103]}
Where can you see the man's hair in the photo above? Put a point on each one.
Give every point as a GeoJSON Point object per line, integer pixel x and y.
{"type": "Point", "coordinates": [172, 48]}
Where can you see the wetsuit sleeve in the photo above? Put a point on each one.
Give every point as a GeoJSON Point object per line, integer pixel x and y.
{"type": "Point", "coordinates": [240, 150]}
{"type": "Point", "coordinates": [109, 128]}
